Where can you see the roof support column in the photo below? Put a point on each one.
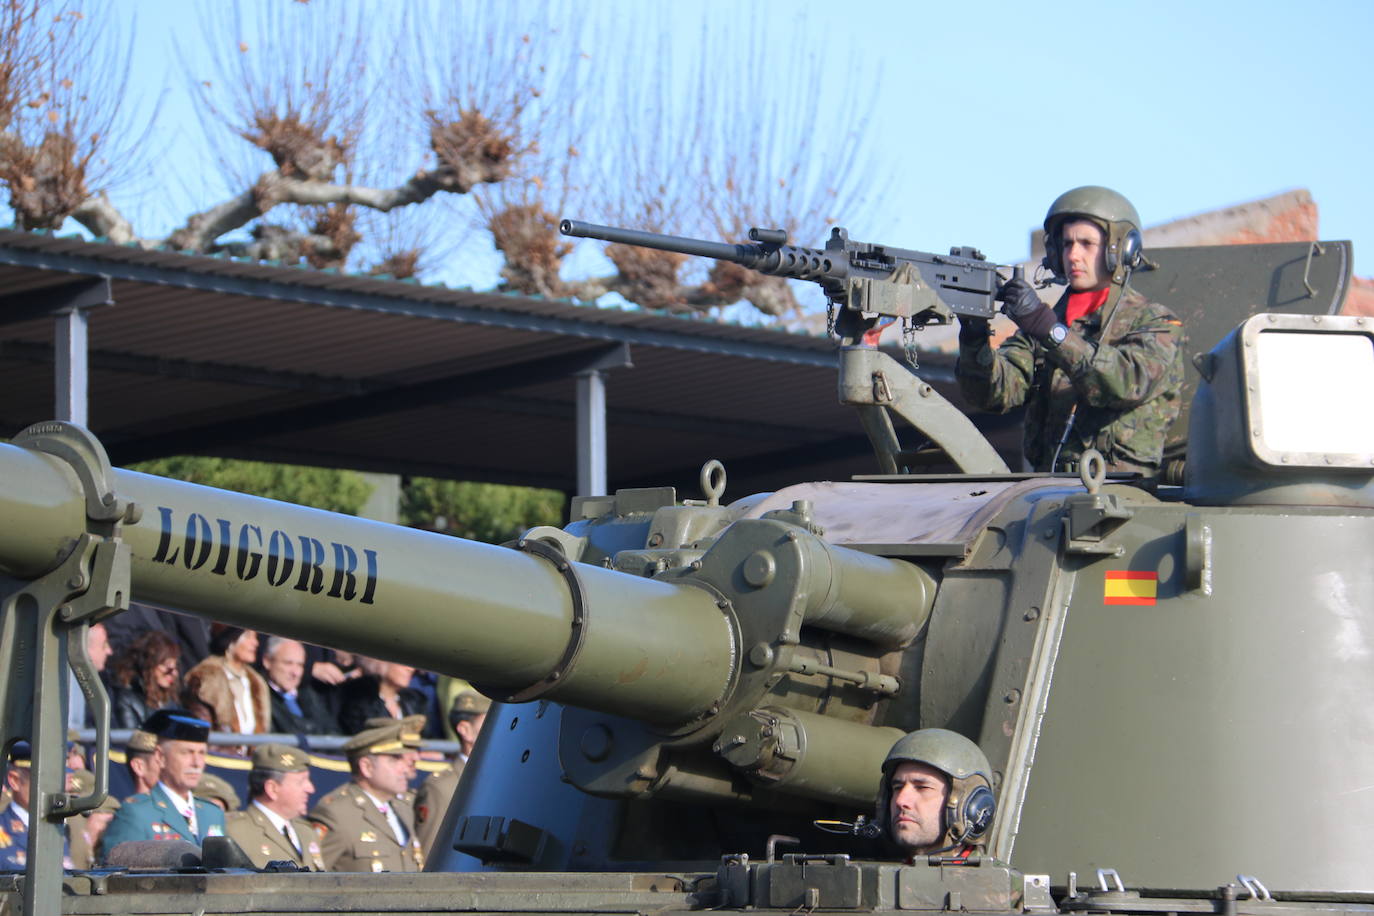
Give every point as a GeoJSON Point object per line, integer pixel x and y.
{"type": "Point", "coordinates": [67, 303]}
{"type": "Point", "coordinates": [72, 375]}
{"type": "Point", "coordinates": [591, 433]}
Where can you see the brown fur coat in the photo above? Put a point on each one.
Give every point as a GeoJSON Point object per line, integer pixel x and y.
{"type": "Point", "coordinates": [208, 696]}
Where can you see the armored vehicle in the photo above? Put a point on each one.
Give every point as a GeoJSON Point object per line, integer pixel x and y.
{"type": "Point", "coordinates": [1170, 680]}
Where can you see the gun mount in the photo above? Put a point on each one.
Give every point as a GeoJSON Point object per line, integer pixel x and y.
{"type": "Point", "coordinates": [682, 681]}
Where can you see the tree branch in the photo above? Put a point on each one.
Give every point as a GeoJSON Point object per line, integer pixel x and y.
{"type": "Point", "coordinates": [103, 218]}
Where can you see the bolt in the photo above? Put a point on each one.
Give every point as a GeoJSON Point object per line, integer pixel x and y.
{"type": "Point", "coordinates": [108, 499]}
{"type": "Point", "coordinates": [1011, 696]}
{"type": "Point", "coordinates": [66, 612]}
{"type": "Point", "coordinates": [1032, 614]}
{"type": "Point", "coordinates": [77, 581]}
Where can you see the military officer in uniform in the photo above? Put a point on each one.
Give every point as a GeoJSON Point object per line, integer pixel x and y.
{"type": "Point", "coordinates": [411, 727]}
{"type": "Point", "coordinates": [273, 827]}
{"type": "Point", "coordinates": [936, 796]}
{"type": "Point", "coordinates": [14, 818]}
{"type": "Point", "coordinates": [141, 759]}
{"type": "Point", "coordinates": [466, 715]}
{"type": "Point", "coordinates": [217, 789]}
{"type": "Point", "coordinates": [362, 830]}
{"type": "Point", "coordinates": [170, 811]}
{"type": "Point", "coordinates": [85, 831]}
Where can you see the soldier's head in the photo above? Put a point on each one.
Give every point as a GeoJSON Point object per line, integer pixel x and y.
{"type": "Point", "coordinates": [280, 780]}
{"type": "Point", "coordinates": [377, 759]}
{"type": "Point", "coordinates": [466, 715]}
{"type": "Point", "coordinates": [217, 790]}
{"type": "Point", "coordinates": [1092, 238]}
{"type": "Point", "coordinates": [180, 755]}
{"type": "Point", "coordinates": [936, 792]}
{"type": "Point", "coordinates": [285, 662]}
{"type": "Point", "coordinates": [141, 759]}
{"type": "Point", "coordinates": [17, 776]}
{"type": "Point", "coordinates": [412, 727]}
{"type": "Point", "coordinates": [82, 782]}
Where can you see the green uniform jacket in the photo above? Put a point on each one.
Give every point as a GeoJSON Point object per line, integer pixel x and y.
{"type": "Point", "coordinates": [153, 816]}
{"type": "Point", "coordinates": [1128, 386]}
{"type": "Point", "coordinates": [357, 836]}
{"type": "Point", "coordinates": [431, 804]}
{"type": "Point", "coordinates": [264, 843]}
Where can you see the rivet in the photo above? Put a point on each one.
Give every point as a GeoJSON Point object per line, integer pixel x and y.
{"type": "Point", "coordinates": [1011, 696]}
{"type": "Point", "coordinates": [1032, 614]}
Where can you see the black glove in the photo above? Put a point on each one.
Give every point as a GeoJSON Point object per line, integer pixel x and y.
{"type": "Point", "coordinates": [973, 332]}
{"type": "Point", "coordinates": [1025, 308]}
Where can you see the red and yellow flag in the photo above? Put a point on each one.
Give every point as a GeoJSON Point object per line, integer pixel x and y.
{"type": "Point", "coordinates": [1124, 586]}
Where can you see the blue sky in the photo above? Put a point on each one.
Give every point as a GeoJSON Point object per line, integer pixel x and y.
{"type": "Point", "coordinates": [983, 114]}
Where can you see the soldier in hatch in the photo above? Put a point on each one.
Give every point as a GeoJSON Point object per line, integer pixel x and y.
{"type": "Point", "coordinates": [1101, 369]}
{"type": "Point", "coordinates": [936, 795]}
{"type": "Point", "coordinates": [362, 829]}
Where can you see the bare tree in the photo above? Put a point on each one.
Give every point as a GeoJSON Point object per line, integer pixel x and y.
{"type": "Point", "coordinates": [372, 137]}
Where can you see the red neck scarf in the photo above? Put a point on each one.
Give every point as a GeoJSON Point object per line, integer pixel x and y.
{"type": "Point", "coordinates": [1084, 304]}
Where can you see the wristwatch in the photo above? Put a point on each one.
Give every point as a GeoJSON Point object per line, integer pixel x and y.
{"type": "Point", "coordinates": [1057, 334]}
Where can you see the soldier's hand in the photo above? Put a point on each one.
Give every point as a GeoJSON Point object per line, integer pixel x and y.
{"type": "Point", "coordinates": [1024, 307]}
{"type": "Point", "coordinates": [973, 332]}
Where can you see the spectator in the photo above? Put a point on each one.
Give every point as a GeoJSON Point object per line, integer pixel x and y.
{"type": "Point", "coordinates": [98, 651]}
{"type": "Point", "coordinates": [142, 761]}
{"type": "Point", "coordinates": [146, 679]}
{"type": "Point", "coordinates": [225, 690]}
{"type": "Point", "coordinates": [297, 709]}
{"type": "Point", "coordinates": [383, 692]}
{"type": "Point", "coordinates": [191, 634]}
{"type": "Point", "coordinates": [272, 827]}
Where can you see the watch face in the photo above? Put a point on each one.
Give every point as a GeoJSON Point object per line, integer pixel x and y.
{"type": "Point", "coordinates": [1058, 333]}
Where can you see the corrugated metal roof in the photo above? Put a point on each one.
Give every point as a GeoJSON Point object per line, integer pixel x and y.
{"type": "Point", "coordinates": [213, 355]}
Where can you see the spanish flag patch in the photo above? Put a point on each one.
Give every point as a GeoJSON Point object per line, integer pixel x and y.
{"type": "Point", "coordinates": [1124, 586]}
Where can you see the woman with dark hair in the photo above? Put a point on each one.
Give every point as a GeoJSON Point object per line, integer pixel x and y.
{"type": "Point", "coordinates": [147, 677]}
{"type": "Point", "coordinates": [224, 689]}
{"type": "Point", "coordinates": [384, 691]}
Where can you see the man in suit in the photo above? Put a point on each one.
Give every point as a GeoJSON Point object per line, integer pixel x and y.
{"type": "Point", "coordinates": [362, 830]}
{"type": "Point", "coordinates": [296, 708]}
{"type": "Point", "coordinates": [273, 827]}
{"type": "Point", "coordinates": [170, 810]}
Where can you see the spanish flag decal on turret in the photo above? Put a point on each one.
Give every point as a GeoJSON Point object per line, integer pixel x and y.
{"type": "Point", "coordinates": [1124, 586]}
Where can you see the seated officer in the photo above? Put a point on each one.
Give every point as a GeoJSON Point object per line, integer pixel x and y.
{"type": "Point", "coordinates": [362, 829]}
{"type": "Point", "coordinates": [170, 810]}
{"type": "Point", "coordinates": [273, 827]}
{"type": "Point", "coordinates": [14, 819]}
{"type": "Point", "coordinates": [936, 795]}
{"type": "Point", "coordinates": [86, 831]}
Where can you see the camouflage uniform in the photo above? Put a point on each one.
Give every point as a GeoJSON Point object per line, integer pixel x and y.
{"type": "Point", "coordinates": [1127, 387]}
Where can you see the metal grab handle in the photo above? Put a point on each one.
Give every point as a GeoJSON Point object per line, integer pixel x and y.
{"type": "Point", "coordinates": [98, 702]}
{"type": "Point", "coordinates": [1317, 249]}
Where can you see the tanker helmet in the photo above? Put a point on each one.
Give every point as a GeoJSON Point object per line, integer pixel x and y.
{"type": "Point", "coordinates": [971, 805]}
{"type": "Point", "coordinates": [1111, 212]}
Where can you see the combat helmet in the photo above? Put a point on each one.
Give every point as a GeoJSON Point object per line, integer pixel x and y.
{"type": "Point", "coordinates": [971, 805]}
{"type": "Point", "coordinates": [1112, 212]}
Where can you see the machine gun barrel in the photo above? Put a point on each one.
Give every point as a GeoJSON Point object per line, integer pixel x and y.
{"type": "Point", "coordinates": [510, 621]}
{"type": "Point", "coordinates": [772, 256]}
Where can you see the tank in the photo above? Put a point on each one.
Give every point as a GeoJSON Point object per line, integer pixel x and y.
{"type": "Point", "coordinates": [1170, 682]}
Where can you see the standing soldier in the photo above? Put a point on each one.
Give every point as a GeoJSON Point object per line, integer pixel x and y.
{"type": "Point", "coordinates": [362, 829]}
{"type": "Point", "coordinates": [1103, 368]}
{"type": "Point", "coordinates": [273, 826]}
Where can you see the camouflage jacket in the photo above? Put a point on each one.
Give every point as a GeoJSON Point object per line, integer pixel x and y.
{"type": "Point", "coordinates": [1127, 388]}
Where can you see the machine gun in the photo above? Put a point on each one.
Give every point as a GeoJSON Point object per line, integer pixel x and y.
{"type": "Point", "coordinates": [866, 283]}
{"type": "Point", "coordinates": [858, 278]}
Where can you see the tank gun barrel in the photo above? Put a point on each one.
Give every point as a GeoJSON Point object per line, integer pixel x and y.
{"type": "Point", "coordinates": [509, 621]}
